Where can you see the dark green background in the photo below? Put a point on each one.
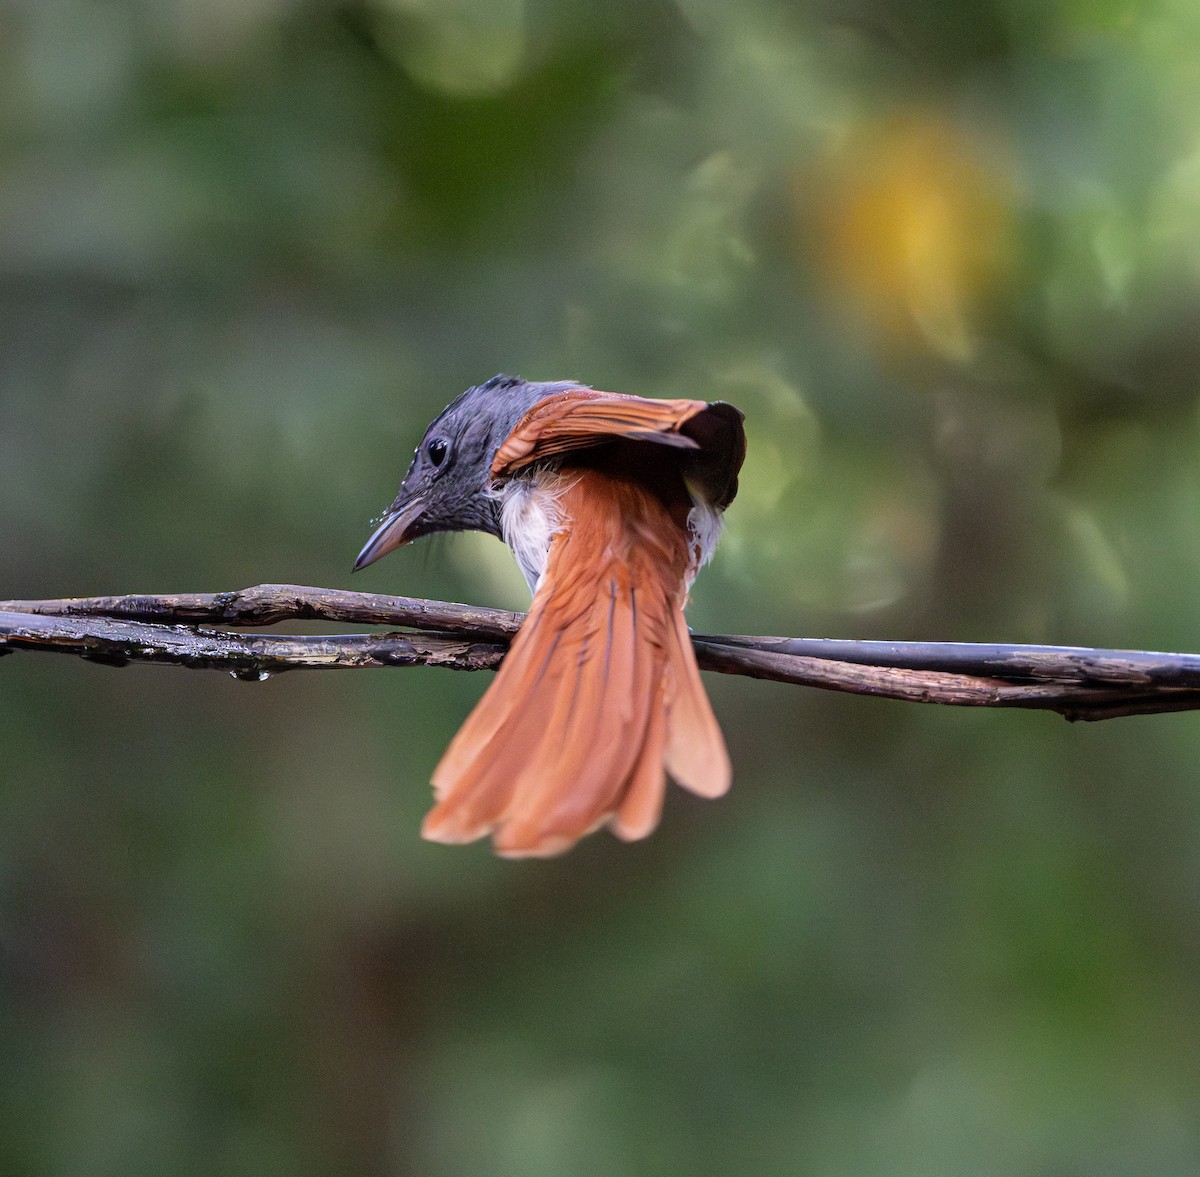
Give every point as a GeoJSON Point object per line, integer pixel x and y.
{"type": "Point", "coordinates": [947, 259]}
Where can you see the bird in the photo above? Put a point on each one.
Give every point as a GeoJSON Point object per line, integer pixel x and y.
{"type": "Point", "coordinates": [610, 504]}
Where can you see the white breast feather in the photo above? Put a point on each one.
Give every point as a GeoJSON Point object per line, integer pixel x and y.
{"type": "Point", "coordinates": [530, 516]}
{"type": "Point", "coordinates": [704, 529]}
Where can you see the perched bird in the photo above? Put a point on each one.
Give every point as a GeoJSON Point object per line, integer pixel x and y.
{"type": "Point", "coordinates": [610, 504]}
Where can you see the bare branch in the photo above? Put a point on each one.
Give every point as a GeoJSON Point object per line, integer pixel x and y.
{"type": "Point", "coordinates": [1074, 700]}
{"type": "Point", "coordinates": [1080, 683]}
{"type": "Point", "coordinates": [117, 643]}
{"type": "Point", "coordinates": [267, 604]}
{"type": "Point", "coordinates": [1071, 664]}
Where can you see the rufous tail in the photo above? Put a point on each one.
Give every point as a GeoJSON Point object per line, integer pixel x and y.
{"type": "Point", "coordinates": [599, 697]}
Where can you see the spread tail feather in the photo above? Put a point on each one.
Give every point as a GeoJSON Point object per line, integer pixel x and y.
{"type": "Point", "coordinates": [598, 698]}
{"type": "Point", "coordinates": [695, 752]}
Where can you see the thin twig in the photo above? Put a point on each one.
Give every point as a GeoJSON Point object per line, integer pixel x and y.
{"type": "Point", "coordinates": [1078, 682]}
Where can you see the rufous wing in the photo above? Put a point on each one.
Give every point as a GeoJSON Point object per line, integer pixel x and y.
{"type": "Point", "coordinates": [584, 417]}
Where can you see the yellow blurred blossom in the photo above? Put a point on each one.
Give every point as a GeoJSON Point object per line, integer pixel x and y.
{"type": "Point", "coordinates": [918, 231]}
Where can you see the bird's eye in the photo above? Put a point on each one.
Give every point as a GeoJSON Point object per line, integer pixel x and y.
{"type": "Point", "coordinates": [436, 450]}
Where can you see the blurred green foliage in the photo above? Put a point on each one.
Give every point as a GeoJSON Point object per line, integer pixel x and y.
{"type": "Point", "coordinates": [946, 258]}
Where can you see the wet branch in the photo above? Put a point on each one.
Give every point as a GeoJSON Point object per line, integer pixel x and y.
{"type": "Point", "coordinates": [1079, 683]}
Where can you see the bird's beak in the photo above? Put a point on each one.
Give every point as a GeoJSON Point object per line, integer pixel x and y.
{"type": "Point", "coordinates": [392, 533]}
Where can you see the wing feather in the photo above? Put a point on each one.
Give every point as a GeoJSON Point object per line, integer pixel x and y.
{"type": "Point", "coordinates": [584, 417]}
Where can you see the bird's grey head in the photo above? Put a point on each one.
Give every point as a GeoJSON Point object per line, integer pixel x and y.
{"type": "Point", "coordinates": [448, 486]}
